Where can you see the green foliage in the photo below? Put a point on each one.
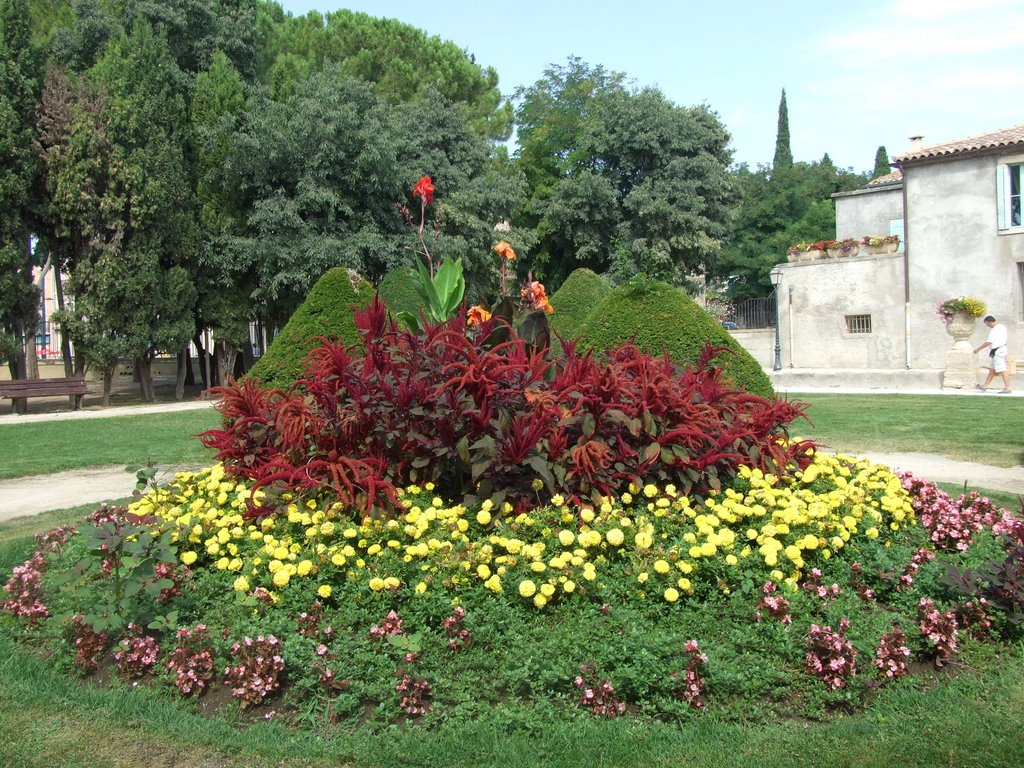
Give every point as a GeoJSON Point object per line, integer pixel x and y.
{"type": "Point", "coordinates": [399, 62]}
{"type": "Point", "coordinates": [326, 312]}
{"type": "Point", "coordinates": [775, 209]}
{"type": "Point", "coordinates": [882, 167]}
{"type": "Point", "coordinates": [398, 292]}
{"type": "Point", "coordinates": [659, 317]}
{"type": "Point", "coordinates": [575, 300]}
{"type": "Point", "coordinates": [440, 295]}
{"type": "Point", "coordinates": [620, 177]}
{"type": "Point", "coordinates": [783, 152]}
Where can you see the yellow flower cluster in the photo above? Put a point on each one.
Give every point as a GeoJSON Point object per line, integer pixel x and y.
{"type": "Point", "coordinates": [663, 543]}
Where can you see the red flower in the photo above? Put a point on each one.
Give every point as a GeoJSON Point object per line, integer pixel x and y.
{"type": "Point", "coordinates": [424, 189]}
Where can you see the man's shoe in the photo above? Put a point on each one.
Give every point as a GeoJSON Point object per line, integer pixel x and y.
{"type": "Point", "coordinates": [1005, 391]}
{"type": "Point", "coordinates": [980, 388]}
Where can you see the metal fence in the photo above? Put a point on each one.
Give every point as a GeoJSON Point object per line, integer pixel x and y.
{"type": "Point", "coordinates": [752, 313]}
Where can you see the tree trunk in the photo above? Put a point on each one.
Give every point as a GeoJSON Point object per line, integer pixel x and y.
{"type": "Point", "coordinates": [226, 354]}
{"type": "Point", "coordinates": [144, 372]}
{"type": "Point", "coordinates": [70, 366]}
{"type": "Point", "coordinates": [108, 382]}
{"type": "Point", "coordinates": [179, 384]}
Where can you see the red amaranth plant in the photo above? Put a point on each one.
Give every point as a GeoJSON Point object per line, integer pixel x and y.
{"type": "Point", "coordinates": [489, 420]}
{"type": "Point", "coordinates": [258, 671]}
{"type": "Point", "coordinates": [192, 660]}
{"type": "Point", "coordinates": [830, 656]}
{"type": "Point", "coordinates": [892, 653]}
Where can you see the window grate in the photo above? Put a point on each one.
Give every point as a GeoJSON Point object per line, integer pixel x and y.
{"type": "Point", "coordinates": [858, 323]}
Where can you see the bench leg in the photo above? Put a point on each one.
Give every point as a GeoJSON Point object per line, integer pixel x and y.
{"type": "Point", "coordinates": [19, 405]}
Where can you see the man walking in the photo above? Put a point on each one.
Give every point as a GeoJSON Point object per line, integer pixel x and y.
{"type": "Point", "coordinates": [996, 345]}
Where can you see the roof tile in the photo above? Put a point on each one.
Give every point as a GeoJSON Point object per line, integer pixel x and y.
{"type": "Point", "coordinates": [1006, 137]}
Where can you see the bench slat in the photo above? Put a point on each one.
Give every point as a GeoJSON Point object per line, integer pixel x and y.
{"type": "Point", "coordinates": [43, 387]}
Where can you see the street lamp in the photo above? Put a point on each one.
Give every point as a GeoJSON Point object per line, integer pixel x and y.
{"type": "Point", "coordinates": [776, 277]}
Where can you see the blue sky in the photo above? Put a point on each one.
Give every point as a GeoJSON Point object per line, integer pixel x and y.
{"type": "Point", "coordinates": [857, 74]}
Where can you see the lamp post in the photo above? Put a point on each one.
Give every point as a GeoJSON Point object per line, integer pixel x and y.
{"type": "Point", "coordinates": [776, 277]}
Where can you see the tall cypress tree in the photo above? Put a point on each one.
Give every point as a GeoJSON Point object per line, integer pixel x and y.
{"type": "Point", "coordinates": [783, 154]}
{"type": "Point", "coordinates": [881, 163]}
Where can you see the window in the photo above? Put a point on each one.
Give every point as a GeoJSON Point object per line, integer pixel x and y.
{"type": "Point", "coordinates": [858, 323]}
{"type": "Point", "coordinates": [1009, 184]}
{"type": "Point", "coordinates": [1020, 286]}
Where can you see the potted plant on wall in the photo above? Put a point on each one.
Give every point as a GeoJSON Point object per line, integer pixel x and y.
{"type": "Point", "coordinates": [805, 252]}
{"type": "Point", "coordinates": [841, 248]}
{"type": "Point", "coordinates": [876, 244]}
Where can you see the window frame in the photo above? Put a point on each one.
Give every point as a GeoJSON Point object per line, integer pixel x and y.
{"type": "Point", "coordinates": [1007, 192]}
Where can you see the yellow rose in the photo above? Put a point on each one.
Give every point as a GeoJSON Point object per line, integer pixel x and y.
{"type": "Point", "coordinates": [566, 538]}
{"type": "Point", "coordinates": [661, 566]}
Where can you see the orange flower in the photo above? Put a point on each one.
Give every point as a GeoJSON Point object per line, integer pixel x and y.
{"type": "Point", "coordinates": [424, 189]}
{"type": "Point", "coordinates": [504, 250]}
{"type": "Point", "coordinates": [534, 293]}
{"type": "Point", "coordinates": [476, 315]}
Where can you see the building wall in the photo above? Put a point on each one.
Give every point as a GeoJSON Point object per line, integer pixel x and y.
{"type": "Point", "coordinates": [817, 296]}
{"type": "Point", "coordinates": [955, 249]}
{"type": "Point", "coordinates": [868, 211]}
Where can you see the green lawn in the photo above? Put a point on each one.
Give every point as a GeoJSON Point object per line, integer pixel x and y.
{"type": "Point", "coordinates": [44, 447]}
{"type": "Point", "coordinates": [982, 429]}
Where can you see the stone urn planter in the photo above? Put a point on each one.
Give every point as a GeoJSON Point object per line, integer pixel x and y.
{"type": "Point", "coordinates": [804, 256]}
{"type": "Point", "coordinates": [960, 327]}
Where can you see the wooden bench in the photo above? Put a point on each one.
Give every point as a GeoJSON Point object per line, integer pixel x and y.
{"type": "Point", "coordinates": [19, 390]}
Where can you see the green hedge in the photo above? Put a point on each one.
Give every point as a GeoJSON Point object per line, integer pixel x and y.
{"type": "Point", "coordinates": [658, 316]}
{"type": "Point", "coordinates": [575, 300]}
{"type": "Point", "coordinates": [327, 311]}
{"type": "Point", "coordinates": [398, 292]}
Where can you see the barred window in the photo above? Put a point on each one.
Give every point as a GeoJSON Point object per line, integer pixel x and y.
{"type": "Point", "coordinates": [858, 323]}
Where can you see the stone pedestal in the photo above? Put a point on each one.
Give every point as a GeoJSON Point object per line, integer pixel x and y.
{"type": "Point", "coordinates": [961, 369]}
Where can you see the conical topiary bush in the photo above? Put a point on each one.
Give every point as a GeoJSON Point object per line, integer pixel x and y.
{"type": "Point", "coordinates": [657, 316]}
{"type": "Point", "coordinates": [327, 311]}
{"type": "Point", "coordinates": [581, 292]}
{"type": "Point", "coordinates": [398, 291]}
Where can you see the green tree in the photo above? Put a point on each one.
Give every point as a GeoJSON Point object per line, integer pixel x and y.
{"type": "Point", "coordinates": [132, 283]}
{"type": "Point", "coordinates": [18, 170]}
{"type": "Point", "coordinates": [783, 152]}
{"type": "Point", "coordinates": [882, 167]}
{"type": "Point", "coordinates": [621, 179]}
{"type": "Point", "coordinates": [401, 63]}
{"type": "Point", "coordinates": [776, 208]}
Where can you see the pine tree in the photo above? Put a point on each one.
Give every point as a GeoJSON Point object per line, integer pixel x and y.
{"type": "Point", "coordinates": [881, 163]}
{"type": "Point", "coordinates": [783, 154]}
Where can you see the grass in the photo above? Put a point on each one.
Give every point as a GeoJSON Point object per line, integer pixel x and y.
{"type": "Point", "coordinates": [976, 429]}
{"type": "Point", "coordinates": [160, 438]}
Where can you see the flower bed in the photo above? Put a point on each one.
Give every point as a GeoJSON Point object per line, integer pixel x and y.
{"type": "Point", "coordinates": [651, 604]}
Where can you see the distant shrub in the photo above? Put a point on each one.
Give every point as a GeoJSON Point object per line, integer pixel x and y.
{"type": "Point", "coordinates": [657, 316]}
{"type": "Point", "coordinates": [326, 312]}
